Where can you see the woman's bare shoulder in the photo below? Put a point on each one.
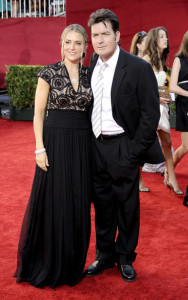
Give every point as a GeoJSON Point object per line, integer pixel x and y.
{"type": "Point", "coordinates": [147, 58]}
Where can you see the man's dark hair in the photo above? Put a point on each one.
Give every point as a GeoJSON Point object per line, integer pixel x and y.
{"type": "Point", "coordinates": [102, 15]}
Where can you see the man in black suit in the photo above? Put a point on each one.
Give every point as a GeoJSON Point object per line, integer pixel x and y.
{"type": "Point", "coordinates": [124, 118]}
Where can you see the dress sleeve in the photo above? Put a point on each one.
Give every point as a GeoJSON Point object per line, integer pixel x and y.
{"type": "Point", "coordinates": [46, 74]}
{"type": "Point", "coordinates": [181, 57]}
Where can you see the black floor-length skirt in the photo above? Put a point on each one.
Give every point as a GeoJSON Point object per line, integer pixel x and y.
{"type": "Point", "coordinates": [55, 232]}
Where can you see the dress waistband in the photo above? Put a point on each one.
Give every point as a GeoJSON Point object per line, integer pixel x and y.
{"type": "Point", "coordinates": [181, 82]}
{"type": "Point", "coordinates": [67, 119]}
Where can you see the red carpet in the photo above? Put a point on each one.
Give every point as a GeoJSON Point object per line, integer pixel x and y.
{"type": "Point", "coordinates": [162, 261]}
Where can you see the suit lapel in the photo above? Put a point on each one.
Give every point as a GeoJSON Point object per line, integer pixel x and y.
{"type": "Point", "coordinates": [119, 73]}
{"type": "Point", "coordinates": [93, 62]}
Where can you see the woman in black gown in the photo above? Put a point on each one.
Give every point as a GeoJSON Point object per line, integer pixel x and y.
{"type": "Point", "coordinates": [56, 228]}
{"type": "Point", "coordinates": [179, 85]}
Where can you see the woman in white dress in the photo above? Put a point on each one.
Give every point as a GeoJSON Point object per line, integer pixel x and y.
{"type": "Point", "coordinates": [156, 53]}
{"type": "Point", "coordinates": [137, 48]}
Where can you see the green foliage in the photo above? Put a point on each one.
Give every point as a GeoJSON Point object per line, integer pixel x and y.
{"type": "Point", "coordinates": [21, 82]}
{"type": "Point", "coordinates": [172, 107]}
{"type": "Point", "coordinates": [169, 70]}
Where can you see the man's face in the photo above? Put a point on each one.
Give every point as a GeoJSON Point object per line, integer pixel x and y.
{"type": "Point", "coordinates": [104, 40]}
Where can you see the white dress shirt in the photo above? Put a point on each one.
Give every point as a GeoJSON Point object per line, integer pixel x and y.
{"type": "Point", "coordinates": [109, 125]}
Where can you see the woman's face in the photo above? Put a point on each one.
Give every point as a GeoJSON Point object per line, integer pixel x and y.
{"type": "Point", "coordinates": [73, 46]}
{"type": "Point", "coordinates": [162, 40]}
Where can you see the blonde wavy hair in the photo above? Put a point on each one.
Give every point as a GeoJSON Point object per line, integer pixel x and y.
{"type": "Point", "coordinates": [184, 46]}
{"type": "Point", "coordinates": [137, 39]}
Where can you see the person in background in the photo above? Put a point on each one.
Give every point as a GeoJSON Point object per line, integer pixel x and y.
{"type": "Point", "coordinates": [124, 122]}
{"type": "Point", "coordinates": [5, 9]}
{"type": "Point", "coordinates": [40, 7]}
{"type": "Point", "coordinates": [156, 53]}
{"type": "Point", "coordinates": [137, 48]}
{"type": "Point", "coordinates": [179, 85]}
{"type": "Point", "coordinates": [15, 8]}
{"type": "Point", "coordinates": [138, 44]}
{"type": "Point", "coordinates": [56, 228]}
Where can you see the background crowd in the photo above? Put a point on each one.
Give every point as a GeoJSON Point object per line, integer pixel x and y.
{"type": "Point", "coordinates": [154, 48]}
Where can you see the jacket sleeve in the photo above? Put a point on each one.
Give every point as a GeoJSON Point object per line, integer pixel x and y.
{"type": "Point", "coordinates": [149, 105]}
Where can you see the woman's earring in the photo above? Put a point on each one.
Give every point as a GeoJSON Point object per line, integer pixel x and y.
{"type": "Point", "coordinates": [139, 51]}
{"type": "Point", "coordinates": [84, 54]}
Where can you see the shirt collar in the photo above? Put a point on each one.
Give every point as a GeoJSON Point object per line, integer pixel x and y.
{"type": "Point", "coordinates": [112, 61]}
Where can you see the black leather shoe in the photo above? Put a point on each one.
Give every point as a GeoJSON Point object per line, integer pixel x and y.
{"type": "Point", "coordinates": [127, 272]}
{"type": "Point", "coordinates": [98, 267]}
{"type": "Point", "coordinates": [185, 200]}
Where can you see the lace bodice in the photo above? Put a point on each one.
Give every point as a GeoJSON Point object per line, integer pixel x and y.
{"type": "Point", "coordinates": [62, 94]}
{"type": "Point", "coordinates": [161, 78]}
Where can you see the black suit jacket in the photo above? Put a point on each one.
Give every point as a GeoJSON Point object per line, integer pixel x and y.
{"type": "Point", "coordinates": [135, 104]}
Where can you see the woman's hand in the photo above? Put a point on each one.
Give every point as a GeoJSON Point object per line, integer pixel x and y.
{"type": "Point", "coordinates": [164, 100]}
{"type": "Point", "coordinates": [42, 161]}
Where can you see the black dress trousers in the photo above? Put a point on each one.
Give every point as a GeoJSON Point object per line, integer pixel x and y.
{"type": "Point", "coordinates": [116, 199]}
